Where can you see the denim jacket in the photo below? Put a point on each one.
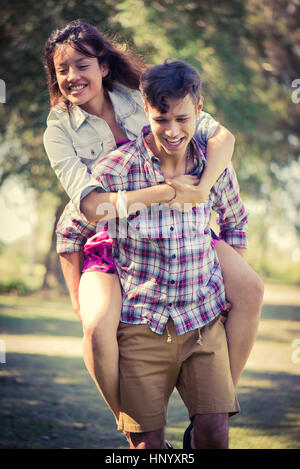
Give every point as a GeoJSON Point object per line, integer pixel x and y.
{"type": "Point", "coordinates": [75, 140]}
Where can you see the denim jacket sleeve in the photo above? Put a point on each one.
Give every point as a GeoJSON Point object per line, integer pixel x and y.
{"type": "Point", "coordinates": [72, 173]}
{"type": "Point", "coordinates": [205, 128]}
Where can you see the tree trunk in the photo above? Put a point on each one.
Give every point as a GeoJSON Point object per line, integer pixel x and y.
{"type": "Point", "coordinates": [54, 279]}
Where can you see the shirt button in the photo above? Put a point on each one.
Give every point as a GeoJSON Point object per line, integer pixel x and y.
{"type": "Point", "coordinates": [170, 304]}
{"type": "Point", "coordinates": [172, 282]}
{"type": "Point", "coordinates": [172, 228]}
{"type": "Point", "coordinates": [173, 256]}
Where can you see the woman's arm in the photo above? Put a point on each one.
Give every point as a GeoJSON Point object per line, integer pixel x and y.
{"type": "Point", "coordinates": [150, 195]}
{"type": "Point", "coordinates": [218, 155]}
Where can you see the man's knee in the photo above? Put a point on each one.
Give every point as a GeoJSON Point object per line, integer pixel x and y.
{"type": "Point", "coordinates": [211, 431]}
{"type": "Point", "coordinates": [147, 440]}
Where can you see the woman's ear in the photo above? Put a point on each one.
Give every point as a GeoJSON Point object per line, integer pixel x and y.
{"type": "Point", "coordinates": [104, 70]}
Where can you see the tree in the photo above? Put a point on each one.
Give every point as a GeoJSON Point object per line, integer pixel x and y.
{"type": "Point", "coordinates": [246, 51]}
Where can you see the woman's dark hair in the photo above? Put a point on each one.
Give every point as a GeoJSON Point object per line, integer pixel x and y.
{"type": "Point", "coordinates": [124, 65]}
{"type": "Point", "coordinates": [172, 79]}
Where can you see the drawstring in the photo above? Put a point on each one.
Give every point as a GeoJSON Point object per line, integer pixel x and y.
{"type": "Point", "coordinates": [169, 339]}
{"type": "Point", "coordinates": [200, 339]}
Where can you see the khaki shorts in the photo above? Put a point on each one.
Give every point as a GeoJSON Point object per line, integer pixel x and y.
{"type": "Point", "coordinates": [151, 367]}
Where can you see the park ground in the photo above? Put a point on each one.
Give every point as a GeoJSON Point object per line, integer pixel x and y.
{"type": "Point", "coordinates": [48, 399]}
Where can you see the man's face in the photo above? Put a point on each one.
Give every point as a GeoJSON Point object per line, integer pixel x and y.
{"type": "Point", "coordinates": [173, 130]}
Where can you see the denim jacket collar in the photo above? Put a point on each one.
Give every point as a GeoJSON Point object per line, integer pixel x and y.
{"type": "Point", "coordinates": [122, 101]}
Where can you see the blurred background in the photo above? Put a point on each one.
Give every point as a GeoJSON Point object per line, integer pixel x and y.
{"type": "Point", "coordinates": [248, 55]}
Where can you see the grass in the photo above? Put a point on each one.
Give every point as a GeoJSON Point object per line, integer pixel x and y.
{"type": "Point", "coordinates": [48, 399]}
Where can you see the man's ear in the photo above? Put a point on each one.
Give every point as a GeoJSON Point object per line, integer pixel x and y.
{"type": "Point", "coordinates": [200, 106]}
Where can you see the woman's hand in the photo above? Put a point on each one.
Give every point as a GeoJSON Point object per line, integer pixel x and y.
{"type": "Point", "coordinates": [189, 191]}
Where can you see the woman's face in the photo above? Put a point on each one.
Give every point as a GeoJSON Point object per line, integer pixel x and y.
{"type": "Point", "coordinates": [79, 77]}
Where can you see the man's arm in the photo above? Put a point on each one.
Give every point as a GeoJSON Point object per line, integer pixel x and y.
{"type": "Point", "coordinates": [71, 264]}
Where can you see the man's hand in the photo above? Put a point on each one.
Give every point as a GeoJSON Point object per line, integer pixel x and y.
{"type": "Point", "coordinates": [188, 192]}
{"type": "Point", "coordinates": [76, 306]}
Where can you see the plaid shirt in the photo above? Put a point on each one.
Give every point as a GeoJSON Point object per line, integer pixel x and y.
{"type": "Point", "coordinates": [166, 264]}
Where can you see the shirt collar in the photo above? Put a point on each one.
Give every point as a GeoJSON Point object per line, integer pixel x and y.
{"type": "Point", "coordinates": [197, 155]}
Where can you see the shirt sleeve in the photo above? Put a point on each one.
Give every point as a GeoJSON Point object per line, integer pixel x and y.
{"type": "Point", "coordinates": [72, 173]}
{"type": "Point", "coordinates": [232, 214]}
{"type": "Point", "coordinates": [206, 127]}
{"type": "Point", "coordinates": [72, 231]}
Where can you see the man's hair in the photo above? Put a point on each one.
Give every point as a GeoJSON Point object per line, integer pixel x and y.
{"type": "Point", "coordinates": [172, 79]}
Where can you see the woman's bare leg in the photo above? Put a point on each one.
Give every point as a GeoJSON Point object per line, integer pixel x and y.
{"type": "Point", "coordinates": [100, 308]}
{"type": "Point", "coordinates": [244, 290]}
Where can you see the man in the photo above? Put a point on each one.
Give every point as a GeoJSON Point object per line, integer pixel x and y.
{"type": "Point", "coordinates": [171, 331]}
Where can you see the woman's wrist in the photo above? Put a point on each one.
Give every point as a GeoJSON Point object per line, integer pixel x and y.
{"type": "Point", "coordinates": [169, 193]}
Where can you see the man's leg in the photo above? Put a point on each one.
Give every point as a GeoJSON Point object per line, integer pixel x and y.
{"type": "Point", "coordinates": [206, 387]}
{"type": "Point", "coordinates": [210, 431]}
{"type": "Point", "coordinates": [148, 374]}
{"type": "Point", "coordinates": [148, 440]}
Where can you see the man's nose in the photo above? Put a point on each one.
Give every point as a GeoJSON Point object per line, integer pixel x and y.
{"type": "Point", "coordinates": [172, 130]}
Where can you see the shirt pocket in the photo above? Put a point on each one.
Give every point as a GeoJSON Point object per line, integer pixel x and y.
{"type": "Point", "coordinates": [89, 152]}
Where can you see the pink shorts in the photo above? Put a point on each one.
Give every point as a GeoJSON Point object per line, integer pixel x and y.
{"type": "Point", "coordinates": [98, 254]}
{"type": "Point", "coordinates": [214, 238]}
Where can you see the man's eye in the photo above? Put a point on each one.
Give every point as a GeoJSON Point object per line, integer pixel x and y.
{"type": "Point", "coordinates": [183, 119]}
{"type": "Point", "coordinates": [83, 66]}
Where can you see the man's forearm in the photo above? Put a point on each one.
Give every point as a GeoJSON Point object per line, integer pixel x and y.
{"type": "Point", "coordinates": [71, 264]}
{"type": "Point", "coordinates": [240, 251]}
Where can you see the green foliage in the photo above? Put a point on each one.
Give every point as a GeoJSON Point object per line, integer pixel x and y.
{"type": "Point", "coordinates": [247, 53]}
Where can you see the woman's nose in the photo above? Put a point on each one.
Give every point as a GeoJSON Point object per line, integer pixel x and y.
{"type": "Point", "coordinates": [72, 75]}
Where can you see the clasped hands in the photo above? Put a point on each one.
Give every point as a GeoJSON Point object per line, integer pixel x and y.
{"type": "Point", "coordinates": [188, 192]}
